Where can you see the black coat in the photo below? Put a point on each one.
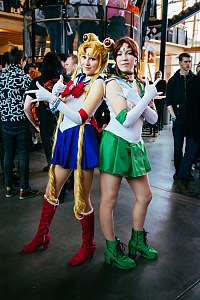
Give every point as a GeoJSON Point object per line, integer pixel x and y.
{"type": "Point", "coordinates": [177, 92]}
{"type": "Point", "coordinates": [193, 109]}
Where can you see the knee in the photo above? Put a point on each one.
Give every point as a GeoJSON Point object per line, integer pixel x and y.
{"type": "Point", "coordinates": [107, 202]}
{"type": "Point", "coordinates": [145, 199]}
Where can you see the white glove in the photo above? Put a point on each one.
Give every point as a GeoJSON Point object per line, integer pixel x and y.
{"type": "Point", "coordinates": [59, 87]}
{"type": "Point", "coordinates": [150, 90]}
{"type": "Point", "coordinates": [133, 95]}
{"type": "Point", "coordinates": [134, 114]}
{"type": "Point", "coordinates": [42, 94]}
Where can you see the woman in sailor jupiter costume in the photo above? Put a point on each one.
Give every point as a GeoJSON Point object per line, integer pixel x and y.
{"type": "Point", "coordinates": [76, 143]}
{"type": "Point", "coordinates": [123, 153]}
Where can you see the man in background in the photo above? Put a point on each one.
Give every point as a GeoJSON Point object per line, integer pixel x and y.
{"type": "Point", "coordinates": [71, 64]}
{"type": "Point", "coordinates": [178, 96]}
{"type": "Point", "coordinates": [15, 127]}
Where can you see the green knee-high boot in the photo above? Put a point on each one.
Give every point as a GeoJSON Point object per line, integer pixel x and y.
{"type": "Point", "coordinates": [114, 254]}
{"type": "Point", "coordinates": [138, 242]}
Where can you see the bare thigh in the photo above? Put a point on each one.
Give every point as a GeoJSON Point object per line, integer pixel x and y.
{"type": "Point", "coordinates": [110, 185]}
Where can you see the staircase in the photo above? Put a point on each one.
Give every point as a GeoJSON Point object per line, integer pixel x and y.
{"type": "Point", "coordinates": [183, 15]}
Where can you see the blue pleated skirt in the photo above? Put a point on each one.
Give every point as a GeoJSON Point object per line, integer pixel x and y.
{"type": "Point", "coordinates": [66, 149]}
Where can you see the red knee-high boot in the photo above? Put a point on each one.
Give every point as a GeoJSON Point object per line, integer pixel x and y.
{"type": "Point", "coordinates": [88, 245]}
{"type": "Point", "coordinates": [42, 237]}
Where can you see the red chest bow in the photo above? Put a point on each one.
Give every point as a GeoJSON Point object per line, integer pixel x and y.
{"type": "Point", "coordinates": [75, 90]}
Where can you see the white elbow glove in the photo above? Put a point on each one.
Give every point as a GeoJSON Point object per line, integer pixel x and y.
{"type": "Point", "coordinates": [150, 91]}
{"type": "Point", "coordinates": [134, 114]}
{"type": "Point", "coordinates": [70, 113]}
{"type": "Point", "coordinates": [42, 94]}
{"type": "Point", "coordinates": [133, 95]}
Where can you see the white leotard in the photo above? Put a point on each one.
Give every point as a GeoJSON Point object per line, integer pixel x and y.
{"type": "Point", "coordinates": [75, 104]}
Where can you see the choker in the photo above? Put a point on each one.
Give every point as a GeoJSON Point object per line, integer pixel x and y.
{"type": "Point", "coordinates": [126, 73]}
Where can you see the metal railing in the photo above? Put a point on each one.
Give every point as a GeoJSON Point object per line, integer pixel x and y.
{"type": "Point", "coordinates": [131, 26]}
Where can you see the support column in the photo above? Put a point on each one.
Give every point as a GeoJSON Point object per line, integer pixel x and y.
{"type": "Point", "coordinates": [163, 37]}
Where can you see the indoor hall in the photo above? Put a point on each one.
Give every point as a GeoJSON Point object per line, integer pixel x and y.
{"type": "Point", "coordinates": [172, 222]}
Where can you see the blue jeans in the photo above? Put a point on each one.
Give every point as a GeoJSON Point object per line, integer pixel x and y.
{"type": "Point", "coordinates": [178, 131]}
{"type": "Point", "coordinates": [16, 136]}
{"type": "Point", "coordinates": [54, 30]}
{"type": "Point", "coordinates": [191, 150]}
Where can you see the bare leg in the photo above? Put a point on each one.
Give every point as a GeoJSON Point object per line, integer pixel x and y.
{"type": "Point", "coordinates": [110, 185]}
{"type": "Point", "coordinates": [61, 176]}
{"type": "Point", "coordinates": [141, 188]}
{"type": "Point", "coordinates": [138, 241]}
{"type": "Point", "coordinates": [113, 252]}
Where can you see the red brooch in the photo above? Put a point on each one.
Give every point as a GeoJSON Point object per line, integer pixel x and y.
{"type": "Point", "coordinates": [75, 90]}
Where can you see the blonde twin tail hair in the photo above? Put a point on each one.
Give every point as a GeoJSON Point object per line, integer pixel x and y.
{"type": "Point", "coordinates": [79, 201]}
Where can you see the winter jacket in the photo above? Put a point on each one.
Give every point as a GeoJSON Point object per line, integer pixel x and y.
{"type": "Point", "coordinates": [193, 110]}
{"type": "Point", "coordinates": [177, 92]}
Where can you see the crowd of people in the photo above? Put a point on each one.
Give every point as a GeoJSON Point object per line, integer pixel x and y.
{"type": "Point", "coordinates": [68, 93]}
{"type": "Point", "coordinates": [61, 20]}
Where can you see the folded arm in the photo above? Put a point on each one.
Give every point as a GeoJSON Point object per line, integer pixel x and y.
{"type": "Point", "coordinates": [89, 105]}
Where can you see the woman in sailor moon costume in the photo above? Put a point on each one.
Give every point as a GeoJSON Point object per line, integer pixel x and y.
{"type": "Point", "coordinates": [76, 143]}
{"type": "Point", "coordinates": [123, 153]}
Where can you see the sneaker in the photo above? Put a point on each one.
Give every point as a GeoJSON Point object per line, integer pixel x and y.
{"type": "Point", "coordinates": [9, 192]}
{"type": "Point", "coordinates": [28, 193]}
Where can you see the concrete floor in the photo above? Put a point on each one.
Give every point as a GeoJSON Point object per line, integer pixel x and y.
{"type": "Point", "coordinates": [173, 224]}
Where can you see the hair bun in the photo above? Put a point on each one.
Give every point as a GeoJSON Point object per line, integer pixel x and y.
{"type": "Point", "coordinates": [108, 43]}
{"type": "Point", "coordinates": [89, 37]}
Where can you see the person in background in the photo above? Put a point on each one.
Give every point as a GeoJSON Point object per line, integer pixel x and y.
{"type": "Point", "coordinates": [76, 143]}
{"type": "Point", "coordinates": [53, 10]}
{"type": "Point", "coordinates": [123, 154]}
{"type": "Point", "coordinates": [15, 127]}
{"type": "Point", "coordinates": [177, 91]}
{"type": "Point", "coordinates": [86, 9]}
{"type": "Point", "coordinates": [63, 59]}
{"type": "Point", "coordinates": [4, 63]}
{"type": "Point", "coordinates": [40, 32]}
{"type": "Point", "coordinates": [5, 60]}
{"type": "Point", "coordinates": [131, 7]}
{"type": "Point", "coordinates": [161, 88]}
{"type": "Point", "coordinates": [198, 69]}
{"type": "Point", "coordinates": [50, 73]}
{"type": "Point", "coordinates": [192, 134]}
{"type": "Point", "coordinates": [115, 11]}
{"type": "Point", "coordinates": [117, 26]}
{"type": "Point", "coordinates": [73, 25]}
{"type": "Point", "coordinates": [71, 64]}
{"type": "Point", "coordinates": [161, 85]}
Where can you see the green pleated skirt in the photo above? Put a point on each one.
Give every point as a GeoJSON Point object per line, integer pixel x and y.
{"type": "Point", "coordinates": [119, 157]}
